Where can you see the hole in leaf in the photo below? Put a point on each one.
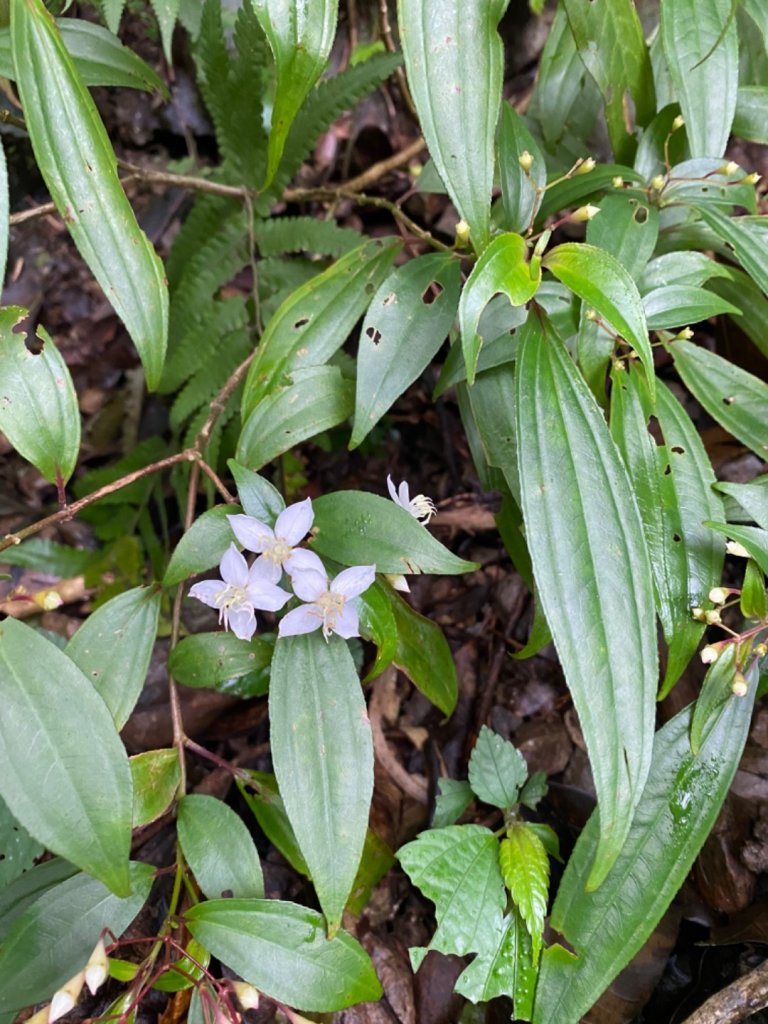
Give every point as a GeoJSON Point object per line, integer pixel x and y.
{"type": "Point", "coordinates": [654, 429]}
{"type": "Point", "coordinates": [34, 344]}
{"type": "Point", "coordinates": [373, 334]}
{"type": "Point", "coordinates": [640, 215]}
{"type": "Point", "coordinates": [667, 470]}
{"type": "Point", "coordinates": [678, 450]}
{"type": "Point", "coordinates": [433, 291]}
{"type": "Point", "coordinates": [729, 400]}
{"type": "Point", "coordinates": [369, 289]}
{"type": "Point", "coordinates": [390, 299]}
{"type": "Point", "coordinates": [302, 322]}
{"type": "Point", "coordinates": [676, 538]}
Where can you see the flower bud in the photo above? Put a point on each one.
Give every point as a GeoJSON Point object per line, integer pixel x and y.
{"type": "Point", "coordinates": [586, 166]}
{"type": "Point", "coordinates": [761, 650]}
{"type": "Point", "coordinates": [734, 548]}
{"type": "Point", "coordinates": [97, 968]}
{"type": "Point", "coordinates": [591, 314]}
{"type": "Point", "coordinates": [750, 179]}
{"type": "Point", "coordinates": [618, 181]}
{"type": "Point", "coordinates": [678, 122]}
{"type": "Point", "coordinates": [718, 595]}
{"type": "Point", "coordinates": [710, 653]}
{"type": "Point", "coordinates": [685, 335]}
{"type": "Point", "coordinates": [698, 614]}
{"type": "Point", "coordinates": [730, 168]}
{"type": "Point", "coordinates": [48, 600]}
{"type": "Point", "coordinates": [584, 213]}
{"type": "Point", "coordinates": [462, 233]}
{"type": "Point", "coordinates": [658, 182]}
{"type": "Point", "coordinates": [398, 582]}
{"type": "Point", "coordinates": [525, 160]}
{"type": "Point", "coordinates": [65, 998]}
{"type": "Point", "coordinates": [739, 686]}
{"type": "Point", "coordinates": [247, 995]}
{"type": "Point", "coordinates": [712, 618]}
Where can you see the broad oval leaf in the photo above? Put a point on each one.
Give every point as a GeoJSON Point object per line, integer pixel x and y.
{"type": "Point", "coordinates": [156, 776]}
{"type": "Point", "coordinates": [51, 941]}
{"type": "Point", "coordinates": [406, 323]}
{"type": "Point", "coordinates": [219, 849]}
{"type": "Point", "coordinates": [592, 573]}
{"type": "Point", "coordinates": [602, 282]}
{"type": "Point", "coordinates": [113, 647]}
{"type": "Point", "coordinates": [455, 63]}
{"type": "Point", "coordinates": [300, 35]}
{"type": "Point", "coordinates": [323, 759]}
{"type": "Point", "coordinates": [351, 527]}
{"type": "Point", "coordinates": [78, 165]}
{"type": "Point", "coordinates": [203, 545]}
{"type": "Point", "coordinates": [38, 406]}
{"type": "Point", "coordinates": [316, 399]}
{"type": "Point", "coordinates": [503, 267]}
{"type": "Point", "coordinates": [282, 949]}
{"type": "Point", "coordinates": [701, 46]}
{"type": "Point", "coordinates": [87, 810]}
{"type": "Point", "coordinates": [314, 321]}
{"type": "Point", "coordinates": [525, 869]}
{"type": "Point", "coordinates": [497, 770]}
{"type": "Point", "coordinates": [220, 661]}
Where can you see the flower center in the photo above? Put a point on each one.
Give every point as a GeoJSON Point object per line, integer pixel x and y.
{"type": "Point", "coordinates": [331, 605]}
{"type": "Point", "coordinates": [278, 551]}
{"type": "Point", "coordinates": [231, 595]}
{"type": "Point", "coordinates": [422, 507]}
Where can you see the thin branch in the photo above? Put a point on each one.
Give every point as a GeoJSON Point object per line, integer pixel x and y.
{"type": "Point", "coordinates": [150, 176]}
{"type": "Point", "coordinates": [383, 167]}
{"type": "Point", "coordinates": [219, 403]}
{"type": "Point", "coordinates": [735, 1003]}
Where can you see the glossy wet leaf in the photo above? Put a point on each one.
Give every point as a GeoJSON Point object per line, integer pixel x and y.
{"type": "Point", "coordinates": [521, 190]}
{"type": "Point", "coordinates": [220, 661]}
{"type": "Point", "coordinates": [506, 971]}
{"type": "Point", "coordinates": [203, 545]}
{"type": "Point", "coordinates": [87, 811]}
{"type": "Point", "coordinates": [218, 848]}
{"type": "Point", "coordinates": [676, 306]}
{"type": "Point", "coordinates": [497, 770]}
{"type": "Point", "coordinates": [323, 759]}
{"type": "Point", "coordinates": [589, 559]}
{"type": "Point", "coordinates": [715, 694]}
{"type": "Point", "coordinates": [525, 869]}
{"type": "Point", "coordinates": [377, 623]}
{"type": "Point", "coordinates": [156, 777]}
{"type": "Point", "coordinates": [78, 165]}
{"type": "Point", "coordinates": [683, 269]}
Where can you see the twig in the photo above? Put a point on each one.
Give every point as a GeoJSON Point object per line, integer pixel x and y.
{"type": "Point", "coordinates": [735, 1003]}
{"type": "Point", "coordinates": [219, 403]}
{"type": "Point", "coordinates": [150, 176]}
{"type": "Point", "coordinates": [378, 170]}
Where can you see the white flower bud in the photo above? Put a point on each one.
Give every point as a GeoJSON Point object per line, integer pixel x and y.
{"type": "Point", "coordinates": [734, 548]}
{"type": "Point", "coordinates": [750, 179]}
{"type": "Point", "coordinates": [678, 122]}
{"type": "Point", "coordinates": [247, 995]}
{"type": "Point", "coordinates": [618, 181]}
{"type": "Point", "coordinates": [730, 168]}
{"type": "Point", "coordinates": [584, 213]}
{"type": "Point", "coordinates": [397, 581]}
{"type": "Point", "coordinates": [710, 653]}
{"type": "Point", "coordinates": [718, 595]}
{"type": "Point", "coordinates": [525, 160]}
{"type": "Point", "coordinates": [712, 618]}
{"type": "Point", "coordinates": [658, 182]}
{"type": "Point", "coordinates": [698, 614]}
{"type": "Point", "coordinates": [586, 166]}
{"type": "Point", "coordinates": [685, 335]}
{"type": "Point", "coordinates": [739, 686]}
{"type": "Point", "coordinates": [97, 968]}
{"type": "Point", "coordinates": [591, 314]}
{"type": "Point", "coordinates": [462, 233]}
{"type": "Point", "coordinates": [65, 999]}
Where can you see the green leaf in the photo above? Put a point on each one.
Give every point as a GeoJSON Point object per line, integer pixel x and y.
{"type": "Point", "coordinates": [715, 694]}
{"type": "Point", "coordinates": [203, 545]}
{"type": "Point", "coordinates": [503, 267]}
{"type": "Point", "coordinates": [267, 807]}
{"type": "Point", "coordinates": [315, 400]}
{"type": "Point", "coordinates": [601, 281]}
{"type": "Point", "coordinates": [753, 498]}
{"type": "Point", "coordinates": [404, 327]}
{"type": "Point", "coordinates": [353, 526]}
{"type": "Point", "coordinates": [5, 211]}
{"type": "Point", "coordinates": [751, 116]}
{"type": "Point", "coordinates": [156, 777]}
{"type": "Point", "coordinates": [507, 970]}
{"type": "Point", "coordinates": [113, 648]}
{"type": "Point", "coordinates": [701, 46]}
{"type": "Point", "coordinates": [52, 940]}
{"type": "Point", "coordinates": [525, 869]}
{"type": "Point", "coordinates": [627, 227]}
{"type": "Point", "coordinates": [753, 600]}
{"type": "Point", "coordinates": [78, 165]}
{"type": "Point", "coordinates": [752, 538]}
{"type": "Point", "coordinates": [589, 559]}
{"type": "Point", "coordinates": [282, 949]}
{"type": "Point", "coordinates": [707, 182]}
{"type": "Point", "coordinates": [300, 37]}
{"type": "Point", "coordinates": [451, 802]}
{"type": "Point", "coordinates": [679, 805]}
{"type": "Point", "coordinates": [166, 12]}
{"type": "Point", "coordinates": [51, 558]}
{"type": "Point", "coordinates": [680, 305]}
{"type": "Point", "coordinates": [497, 770]}
{"type": "Point", "coordinates": [377, 623]}
{"type": "Point", "coordinates": [740, 289]}
{"type": "Point", "coordinates": [323, 758]}
{"type": "Point", "coordinates": [314, 321]}
{"type": "Point", "coordinates": [733, 397]}
{"type": "Point", "coordinates": [22, 893]}
{"type": "Point", "coordinates": [86, 813]}
{"type": "Point", "coordinates": [222, 662]}
{"type": "Point", "coordinates": [186, 970]}
{"type": "Point", "coordinates": [685, 269]}
{"type": "Point", "coordinates": [580, 188]}
{"type": "Point", "coordinates": [521, 190]}
{"type": "Point", "coordinates": [455, 63]}
{"type": "Point", "coordinates": [257, 495]}
{"type": "Point", "coordinates": [38, 405]}
{"type": "Point", "coordinates": [618, 62]}
{"type": "Point", "coordinates": [458, 869]}
{"type": "Point", "coordinates": [18, 849]}
{"type": "Point", "coordinates": [278, 235]}
{"type": "Point", "coordinates": [376, 861]}
{"type": "Point", "coordinates": [661, 142]}
{"type": "Point", "coordinates": [745, 237]}
{"type": "Point", "coordinates": [219, 849]}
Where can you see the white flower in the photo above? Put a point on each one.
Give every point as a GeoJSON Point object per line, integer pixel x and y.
{"type": "Point", "coordinates": [420, 507]}
{"type": "Point", "coordinates": [330, 604]}
{"type": "Point", "coordinates": [276, 548]}
{"type": "Point", "coordinates": [239, 592]}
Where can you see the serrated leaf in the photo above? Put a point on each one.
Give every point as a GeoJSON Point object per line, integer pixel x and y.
{"type": "Point", "coordinates": [86, 814]}
{"type": "Point", "coordinates": [732, 396]}
{"type": "Point", "coordinates": [222, 662]}
{"type": "Point", "coordinates": [508, 971]}
{"type": "Point", "coordinates": [353, 526]}
{"type": "Point", "coordinates": [166, 12]}
{"type": "Point", "coordinates": [314, 321]}
{"type": "Point", "coordinates": [315, 400]}
{"type": "Point", "coordinates": [451, 802]}
{"type": "Point", "coordinates": [38, 406]}
{"type": "Point", "coordinates": [602, 282]}
{"type": "Point", "coordinates": [300, 36]}
{"type": "Point", "coordinates": [78, 165]}
{"type": "Point", "coordinates": [589, 558]}
{"type": "Point", "coordinates": [752, 538]}
{"type": "Point", "coordinates": [113, 648]}
{"type": "Point", "coordinates": [627, 227]}
{"type": "Point", "coordinates": [203, 545]}
{"type": "Point", "coordinates": [156, 776]}
{"type": "Point", "coordinates": [51, 941]}
{"type": "Point", "coordinates": [525, 869]}
{"type": "Point", "coordinates": [218, 848]}
{"type": "Point", "coordinates": [455, 63]}
{"type": "Point", "coordinates": [534, 790]}
{"type": "Point", "coordinates": [521, 190]}
{"type": "Point", "coordinates": [503, 267]}
{"type": "Point", "coordinates": [497, 770]}
{"type": "Point", "coordinates": [701, 47]}
{"type": "Point", "coordinates": [458, 869]}
{"type": "Point", "coordinates": [282, 950]}
{"type": "Point", "coordinates": [680, 305]}
{"type": "Point", "coordinates": [278, 235]}
{"type": "Point", "coordinates": [268, 809]}
{"type": "Point", "coordinates": [323, 759]}
{"type": "Point", "coordinates": [404, 327]}
{"type": "Point", "coordinates": [18, 849]}
{"type": "Point", "coordinates": [679, 805]}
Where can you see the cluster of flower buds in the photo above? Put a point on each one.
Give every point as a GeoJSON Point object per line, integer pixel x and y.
{"type": "Point", "coordinates": [92, 976]}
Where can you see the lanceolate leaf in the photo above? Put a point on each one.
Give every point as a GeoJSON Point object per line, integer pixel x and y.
{"type": "Point", "coordinates": [753, 498]}
{"type": "Point", "coordinates": [282, 949]}
{"type": "Point", "coordinates": [752, 538]}
{"type": "Point", "coordinates": [78, 164]}
{"type": "Point", "coordinates": [38, 405]}
{"type": "Point", "coordinates": [681, 305]}
{"type": "Point", "coordinates": [113, 646]}
{"type": "Point", "coordinates": [589, 560]}
{"type": "Point", "coordinates": [18, 849]}
{"type": "Point", "coordinates": [455, 63]}
{"type": "Point", "coordinates": [745, 236]}
{"type": "Point", "coordinates": [679, 805]}
{"type": "Point", "coordinates": [602, 282]}
{"type": "Point", "coordinates": [521, 190]}
{"type": "Point", "coordinates": [701, 46]}
{"type": "Point", "coordinates": [267, 808]}
{"type": "Point", "coordinates": [300, 35]}
{"type": "Point", "coordinates": [323, 758]}
{"type": "Point", "coordinates": [86, 813]}
{"type": "Point", "coordinates": [219, 849]}
{"type": "Point", "coordinates": [714, 696]}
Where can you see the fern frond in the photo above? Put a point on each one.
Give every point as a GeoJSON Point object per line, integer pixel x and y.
{"type": "Point", "coordinates": [279, 276]}
{"type": "Point", "coordinates": [224, 354]}
{"type": "Point", "coordinates": [304, 234]}
{"type": "Point", "coordinates": [198, 346]}
{"type": "Point", "coordinates": [203, 221]}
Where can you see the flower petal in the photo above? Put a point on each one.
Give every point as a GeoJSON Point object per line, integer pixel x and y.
{"type": "Point", "coordinates": [252, 534]}
{"type": "Point", "coordinates": [267, 569]}
{"type": "Point", "coordinates": [392, 490]}
{"type": "Point", "coordinates": [242, 622]}
{"type": "Point", "coordinates": [266, 596]}
{"type": "Point", "coordinates": [233, 567]}
{"type": "Point", "coordinates": [301, 620]}
{"type": "Point", "coordinates": [347, 622]}
{"type": "Point", "coordinates": [208, 591]}
{"type": "Point", "coordinates": [404, 492]}
{"type": "Point", "coordinates": [309, 584]}
{"type": "Point", "coordinates": [300, 559]}
{"type": "Point", "coordinates": [354, 581]}
{"type": "Point", "coordinates": [294, 522]}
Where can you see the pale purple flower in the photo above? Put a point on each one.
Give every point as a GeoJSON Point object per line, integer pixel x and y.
{"type": "Point", "coordinates": [239, 592]}
{"type": "Point", "coordinates": [420, 507]}
{"type": "Point", "coordinates": [331, 603]}
{"type": "Point", "coordinates": [276, 548]}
